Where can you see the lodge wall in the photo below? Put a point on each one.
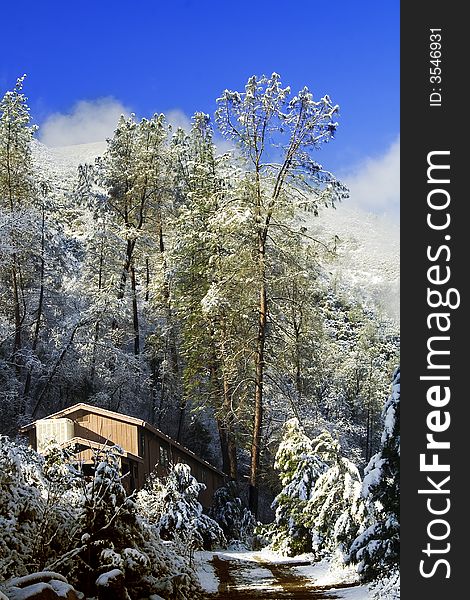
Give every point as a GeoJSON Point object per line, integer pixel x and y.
{"type": "Point", "coordinates": [151, 449]}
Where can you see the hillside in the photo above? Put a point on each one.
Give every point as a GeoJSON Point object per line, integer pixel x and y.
{"type": "Point", "coordinates": [367, 260]}
{"type": "Point", "coordinates": [368, 254]}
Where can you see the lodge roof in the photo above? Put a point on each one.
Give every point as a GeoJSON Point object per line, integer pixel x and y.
{"type": "Point", "coordinates": [126, 419]}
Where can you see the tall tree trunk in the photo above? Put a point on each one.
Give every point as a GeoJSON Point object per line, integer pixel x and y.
{"type": "Point", "coordinates": [97, 324]}
{"type": "Point", "coordinates": [171, 335]}
{"type": "Point", "coordinates": [17, 344]}
{"type": "Point", "coordinates": [55, 368]}
{"type": "Point", "coordinates": [37, 325]}
{"type": "Point", "coordinates": [147, 279]}
{"type": "Point", "coordinates": [126, 267]}
{"type": "Point", "coordinates": [259, 376]}
{"type": "Point", "coordinates": [135, 313]}
{"type": "Point", "coordinates": [231, 441]}
{"type": "Point", "coordinates": [367, 452]}
{"type": "Point", "coordinates": [298, 368]}
{"type": "Point", "coordinates": [17, 315]}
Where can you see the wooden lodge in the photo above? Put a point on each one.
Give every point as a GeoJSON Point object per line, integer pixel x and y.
{"type": "Point", "coordinates": [144, 447]}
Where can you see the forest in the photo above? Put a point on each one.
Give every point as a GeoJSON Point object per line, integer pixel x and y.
{"type": "Point", "coordinates": [184, 285]}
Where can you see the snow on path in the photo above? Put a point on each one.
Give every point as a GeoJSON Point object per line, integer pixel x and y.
{"type": "Point", "coordinates": [234, 575]}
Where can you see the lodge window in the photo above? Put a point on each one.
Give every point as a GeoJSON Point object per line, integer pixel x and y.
{"type": "Point", "coordinates": [142, 443]}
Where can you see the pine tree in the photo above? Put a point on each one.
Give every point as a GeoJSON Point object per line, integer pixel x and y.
{"type": "Point", "coordinates": [173, 506]}
{"type": "Point", "coordinates": [211, 294]}
{"type": "Point", "coordinates": [255, 120]}
{"type": "Point", "coordinates": [17, 193]}
{"type": "Point", "coordinates": [334, 511]}
{"type": "Point", "coordinates": [236, 521]}
{"type": "Point", "coordinates": [299, 469]}
{"type": "Point", "coordinates": [377, 549]}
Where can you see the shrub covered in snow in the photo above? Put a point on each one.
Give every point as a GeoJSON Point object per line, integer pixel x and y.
{"type": "Point", "coordinates": [236, 520]}
{"type": "Point", "coordinates": [299, 469]}
{"type": "Point", "coordinates": [386, 587]}
{"type": "Point", "coordinates": [41, 585]}
{"type": "Point", "coordinates": [35, 520]}
{"type": "Point", "coordinates": [117, 554]}
{"type": "Point", "coordinates": [377, 549]}
{"type": "Point", "coordinates": [335, 511]}
{"type": "Point", "coordinates": [21, 506]}
{"type": "Point", "coordinates": [86, 528]}
{"type": "Point", "coordinates": [172, 505]}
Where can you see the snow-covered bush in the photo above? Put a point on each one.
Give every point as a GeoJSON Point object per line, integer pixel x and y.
{"type": "Point", "coordinates": [117, 554]}
{"type": "Point", "coordinates": [172, 505]}
{"type": "Point", "coordinates": [35, 519]}
{"type": "Point", "coordinates": [237, 522]}
{"type": "Point", "coordinates": [21, 506]}
{"type": "Point", "coordinates": [334, 511]}
{"type": "Point", "coordinates": [299, 469]}
{"type": "Point", "coordinates": [377, 549]}
{"type": "Point", "coordinates": [386, 587]}
{"type": "Point", "coordinates": [85, 528]}
{"type": "Point", "coordinates": [106, 525]}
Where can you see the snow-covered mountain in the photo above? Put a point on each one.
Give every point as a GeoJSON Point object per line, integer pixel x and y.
{"type": "Point", "coordinates": [367, 244]}
{"type": "Point", "coordinates": [368, 253]}
{"type": "Point", "coordinates": [60, 164]}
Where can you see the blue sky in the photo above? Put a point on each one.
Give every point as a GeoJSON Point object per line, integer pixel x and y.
{"type": "Point", "coordinates": [159, 56]}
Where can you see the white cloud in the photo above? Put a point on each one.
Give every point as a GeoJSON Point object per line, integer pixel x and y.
{"type": "Point", "coordinates": [92, 121]}
{"type": "Point", "coordinates": [177, 118]}
{"type": "Point", "coordinates": [375, 183]}
{"type": "Point", "coordinates": [88, 121]}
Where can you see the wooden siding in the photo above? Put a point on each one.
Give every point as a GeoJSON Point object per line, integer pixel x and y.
{"type": "Point", "coordinates": [155, 452]}
{"type": "Point", "coordinates": [101, 429]}
{"type": "Point", "coordinates": [137, 438]}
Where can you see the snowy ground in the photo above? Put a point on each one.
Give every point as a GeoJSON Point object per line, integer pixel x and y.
{"type": "Point", "coordinates": [267, 575]}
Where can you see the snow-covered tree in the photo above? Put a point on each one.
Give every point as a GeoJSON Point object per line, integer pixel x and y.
{"type": "Point", "coordinates": [16, 196]}
{"type": "Point", "coordinates": [334, 511]}
{"type": "Point", "coordinates": [212, 285]}
{"type": "Point", "coordinates": [130, 172]}
{"type": "Point", "coordinates": [236, 521]}
{"type": "Point", "coordinates": [346, 396]}
{"type": "Point", "coordinates": [299, 469]}
{"type": "Point", "coordinates": [172, 505]}
{"type": "Point", "coordinates": [277, 183]}
{"type": "Point", "coordinates": [18, 244]}
{"type": "Point", "coordinates": [377, 549]}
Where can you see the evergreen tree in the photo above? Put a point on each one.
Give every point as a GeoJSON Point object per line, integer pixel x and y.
{"type": "Point", "coordinates": [17, 219]}
{"type": "Point", "coordinates": [211, 294]}
{"type": "Point", "coordinates": [172, 505]}
{"type": "Point", "coordinates": [299, 469]}
{"type": "Point", "coordinates": [377, 549]}
{"type": "Point", "coordinates": [257, 119]}
{"type": "Point", "coordinates": [335, 510]}
{"type": "Point", "coordinates": [236, 521]}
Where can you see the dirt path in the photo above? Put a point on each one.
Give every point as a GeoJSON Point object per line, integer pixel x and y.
{"type": "Point", "coordinates": [260, 580]}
